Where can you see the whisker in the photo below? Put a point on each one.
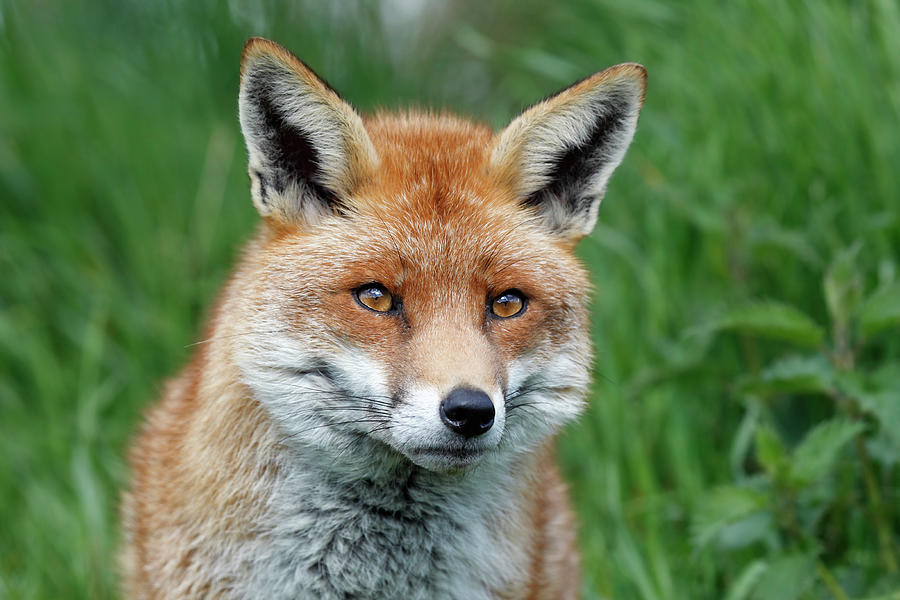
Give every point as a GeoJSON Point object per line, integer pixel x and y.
{"type": "Point", "coordinates": [527, 404]}
{"type": "Point", "coordinates": [344, 394]}
{"type": "Point", "coordinates": [355, 401]}
{"type": "Point", "coordinates": [234, 335]}
{"type": "Point", "coordinates": [524, 401]}
{"type": "Point", "coordinates": [339, 407]}
{"type": "Point", "coordinates": [325, 411]}
{"type": "Point", "coordinates": [331, 424]}
{"type": "Point", "coordinates": [384, 427]}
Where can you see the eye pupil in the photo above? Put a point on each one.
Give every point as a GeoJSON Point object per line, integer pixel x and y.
{"type": "Point", "coordinates": [375, 297]}
{"type": "Point", "coordinates": [508, 304]}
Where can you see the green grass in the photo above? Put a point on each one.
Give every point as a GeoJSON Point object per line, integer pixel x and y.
{"type": "Point", "coordinates": [769, 143]}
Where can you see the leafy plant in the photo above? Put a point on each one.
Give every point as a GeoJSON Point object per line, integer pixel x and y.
{"type": "Point", "coordinates": [795, 491]}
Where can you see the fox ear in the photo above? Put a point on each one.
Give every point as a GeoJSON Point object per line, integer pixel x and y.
{"type": "Point", "coordinates": [308, 149]}
{"type": "Point", "coordinates": [559, 154]}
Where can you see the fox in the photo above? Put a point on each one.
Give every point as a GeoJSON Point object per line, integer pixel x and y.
{"type": "Point", "coordinates": [374, 408]}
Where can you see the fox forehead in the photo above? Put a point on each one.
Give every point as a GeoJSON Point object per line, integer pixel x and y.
{"type": "Point", "coordinates": [414, 148]}
{"type": "Point", "coordinates": [431, 213]}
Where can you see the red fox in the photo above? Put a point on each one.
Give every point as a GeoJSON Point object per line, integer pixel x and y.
{"type": "Point", "coordinates": [373, 412]}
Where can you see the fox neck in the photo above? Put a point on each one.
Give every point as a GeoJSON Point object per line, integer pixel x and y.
{"type": "Point", "coordinates": [400, 531]}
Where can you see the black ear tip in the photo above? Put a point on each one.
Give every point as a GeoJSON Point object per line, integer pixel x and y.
{"type": "Point", "coordinates": [630, 74]}
{"type": "Point", "coordinates": [260, 47]}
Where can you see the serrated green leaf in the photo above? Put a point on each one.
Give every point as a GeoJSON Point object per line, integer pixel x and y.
{"type": "Point", "coordinates": [810, 374]}
{"type": "Point", "coordinates": [720, 508]}
{"type": "Point", "coordinates": [770, 452]}
{"type": "Point", "coordinates": [786, 578]}
{"type": "Point", "coordinates": [881, 310]}
{"type": "Point", "coordinates": [883, 405]}
{"type": "Point", "coordinates": [757, 528]}
{"type": "Point", "coordinates": [878, 396]}
{"type": "Point", "coordinates": [818, 451]}
{"type": "Point", "coordinates": [774, 320]}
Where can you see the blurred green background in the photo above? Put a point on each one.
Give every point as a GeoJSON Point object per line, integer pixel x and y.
{"type": "Point", "coordinates": [744, 435]}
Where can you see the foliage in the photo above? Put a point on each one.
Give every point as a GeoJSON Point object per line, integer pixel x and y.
{"type": "Point", "coordinates": [742, 440]}
{"type": "Point", "coordinates": [803, 503]}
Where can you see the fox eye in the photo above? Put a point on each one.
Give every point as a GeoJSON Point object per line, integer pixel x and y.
{"type": "Point", "coordinates": [375, 296]}
{"type": "Point", "coordinates": [510, 303]}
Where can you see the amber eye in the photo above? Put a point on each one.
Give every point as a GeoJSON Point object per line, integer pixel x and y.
{"type": "Point", "coordinates": [375, 297]}
{"type": "Point", "coordinates": [510, 303]}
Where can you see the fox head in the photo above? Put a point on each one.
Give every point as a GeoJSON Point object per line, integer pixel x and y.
{"type": "Point", "coordinates": [413, 292]}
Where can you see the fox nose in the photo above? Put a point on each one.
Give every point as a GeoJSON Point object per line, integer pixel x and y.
{"type": "Point", "coordinates": [468, 412]}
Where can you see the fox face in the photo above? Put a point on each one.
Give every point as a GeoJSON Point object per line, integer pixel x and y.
{"type": "Point", "coordinates": [413, 296]}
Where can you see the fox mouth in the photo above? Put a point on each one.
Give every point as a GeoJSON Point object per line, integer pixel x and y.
{"type": "Point", "coordinates": [446, 457]}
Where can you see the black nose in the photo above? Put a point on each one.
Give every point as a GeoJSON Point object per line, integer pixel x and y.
{"type": "Point", "coordinates": [467, 412]}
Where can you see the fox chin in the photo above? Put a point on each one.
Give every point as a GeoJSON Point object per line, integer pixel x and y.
{"type": "Point", "coordinates": [374, 412]}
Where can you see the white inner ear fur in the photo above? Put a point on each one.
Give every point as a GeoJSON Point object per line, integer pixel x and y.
{"type": "Point", "coordinates": [343, 151]}
{"type": "Point", "coordinates": [527, 153]}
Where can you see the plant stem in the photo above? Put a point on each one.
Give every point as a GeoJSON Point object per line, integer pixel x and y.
{"type": "Point", "coordinates": [830, 582]}
{"type": "Point", "coordinates": [876, 507]}
{"type": "Point", "coordinates": [845, 359]}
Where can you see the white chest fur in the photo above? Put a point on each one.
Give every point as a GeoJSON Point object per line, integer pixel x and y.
{"type": "Point", "coordinates": [412, 534]}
